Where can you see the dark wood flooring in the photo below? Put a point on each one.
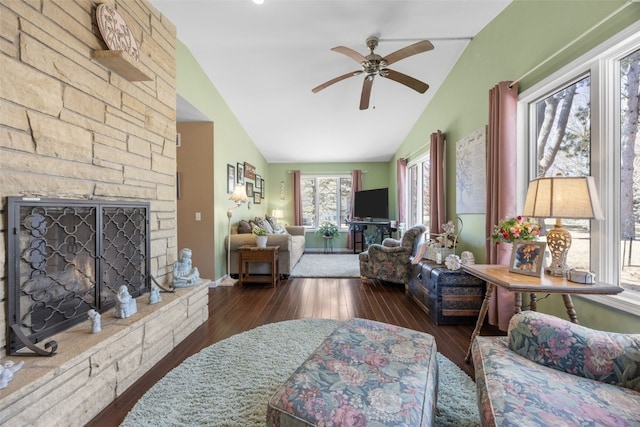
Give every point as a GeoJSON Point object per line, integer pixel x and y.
{"type": "Point", "coordinates": [233, 310]}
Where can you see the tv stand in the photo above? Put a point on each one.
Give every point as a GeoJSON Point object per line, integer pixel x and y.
{"type": "Point", "coordinates": [358, 227]}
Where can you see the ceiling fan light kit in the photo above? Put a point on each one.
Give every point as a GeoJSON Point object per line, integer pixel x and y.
{"type": "Point", "coordinates": [375, 65]}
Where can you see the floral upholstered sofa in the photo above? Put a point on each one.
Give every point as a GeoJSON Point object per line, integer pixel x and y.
{"type": "Point", "coordinates": [550, 372]}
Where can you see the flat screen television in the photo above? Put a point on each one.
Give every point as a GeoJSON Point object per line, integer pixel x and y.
{"type": "Point", "coordinates": [372, 204]}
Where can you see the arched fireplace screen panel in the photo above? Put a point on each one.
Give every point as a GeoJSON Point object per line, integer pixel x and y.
{"type": "Point", "coordinates": [66, 257]}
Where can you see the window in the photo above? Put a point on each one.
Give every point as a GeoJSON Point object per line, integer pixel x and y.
{"type": "Point", "coordinates": [325, 198]}
{"type": "Point", "coordinates": [418, 192]}
{"type": "Point", "coordinates": [584, 121]}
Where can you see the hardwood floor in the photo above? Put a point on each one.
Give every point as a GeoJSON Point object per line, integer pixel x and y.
{"type": "Point", "coordinates": [233, 310]}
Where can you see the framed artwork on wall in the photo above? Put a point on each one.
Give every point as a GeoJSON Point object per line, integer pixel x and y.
{"type": "Point", "coordinates": [264, 189]}
{"type": "Point", "coordinates": [249, 171]}
{"type": "Point", "coordinates": [240, 173]}
{"type": "Point", "coordinates": [471, 180]}
{"type": "Point", "coordinates": [258, 182]}
{"type": "Point", "coordinates": [257, 198]}
{"type": "Point", "coordinates": [231, 178]}
{"type": "Point", "coordinates": [249, 189]}
{"type": "Point", "coordinates": [527, 257]}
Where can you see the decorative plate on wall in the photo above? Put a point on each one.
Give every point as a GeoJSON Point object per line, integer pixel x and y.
{"type": "Point", "coordinates": [116, 33]}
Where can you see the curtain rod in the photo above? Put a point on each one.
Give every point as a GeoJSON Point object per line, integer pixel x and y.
{"type": "Point", "coordinates": [605, 19]}
{"type": "Point", "coordinates": [325, 172]}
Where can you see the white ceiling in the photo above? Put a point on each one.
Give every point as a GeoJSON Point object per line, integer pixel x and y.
{"type": "Point", "coordinates": [265, 59]}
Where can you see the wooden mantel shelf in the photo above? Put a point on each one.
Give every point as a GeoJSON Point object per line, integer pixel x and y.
{"type": "Point", "coordinates": [120, 62]}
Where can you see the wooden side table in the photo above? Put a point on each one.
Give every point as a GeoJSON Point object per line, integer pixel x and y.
{"type": "Point", "coordinates": [248, 254]}
{"type": "Point", "coordinates": [499, 275]}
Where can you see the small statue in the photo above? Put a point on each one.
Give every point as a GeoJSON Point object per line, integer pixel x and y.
{"type": "Point", "coordinates": [7, 372]}
{"type": "Point", "coordinates": [184, 274]}
{"type": "Point", "coordinates": [125, 304]}
{"type": "Point", "coordinates": [94, 316]}
{"type": "Point", "coordinates": [467, 257]}
{"type": "Point", "coordinates": [154, 295]}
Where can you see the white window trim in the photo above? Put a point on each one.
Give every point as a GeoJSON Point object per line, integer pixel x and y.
{"type": "Point", "coordinates": [598, 63]}
{"type": "Point", "coordinates": [418, 164]}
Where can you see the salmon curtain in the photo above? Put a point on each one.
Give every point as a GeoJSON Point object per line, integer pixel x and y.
{"type": "Point", "coordinates": [297, 198]}
{"type": "Point", "coordinates": [501, 187]}
{"type": "Point", "coordinates": [437, 207]}
{"type": "Point", "coordinates": [356, 185]}
{"type": "Point", "coordinates": [401, 180]}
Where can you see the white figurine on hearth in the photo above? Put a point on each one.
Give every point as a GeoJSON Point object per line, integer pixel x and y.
{"type": "Point", "coordinates": [7, 372]}
{"type": "Point", "coordinates": [125, 304]}
{"type": "Point", "coordinates": [154, 295]}
{"type": "Point", "coordinates": [94, 316]}
{"type": "Point", "coordinates": [184, 273]}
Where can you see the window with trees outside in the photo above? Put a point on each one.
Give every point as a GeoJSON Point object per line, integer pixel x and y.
{"type": "Point", "coordinates": [325, 198]}
{"type": "Point", "coordinates": [584, 121]}
{"type": "Point", "coordinates": [418, 192]}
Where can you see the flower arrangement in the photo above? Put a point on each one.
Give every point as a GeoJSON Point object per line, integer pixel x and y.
{"type": "Point", "coordinates": [515, 228]}
{"type": "Point", "coordinates": [447, 239]}
{"type": "Point", "coordinates": [259, 231]}
{"type": "Point", "coordinates": [327, 229]}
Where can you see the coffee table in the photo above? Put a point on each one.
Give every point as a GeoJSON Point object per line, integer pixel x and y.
{"type": "Point", "coordinates": [248, 254]}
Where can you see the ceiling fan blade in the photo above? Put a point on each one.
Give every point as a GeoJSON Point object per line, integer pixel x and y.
{"type": "Point", "coordinates": [408, 81]}
{"type": "Point", "coordinates": [419, 47]}
{"type": "Point", "coordinates": [366, 92]}
{"type": "Point", "coordinates": [336, 80]}
{"type": "Point", "coordinates": [350, 53]}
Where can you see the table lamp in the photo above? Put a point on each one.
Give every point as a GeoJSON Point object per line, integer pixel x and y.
{"type": "Point", "coordinates": [239, 196]}
{"type": "Point", "coordinates": [277, 214]}
{"type": "Point", "coordinates": [561, 197]}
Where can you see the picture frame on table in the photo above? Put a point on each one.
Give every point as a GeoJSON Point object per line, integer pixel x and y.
{"type": "Point", "coordinates": [249, 189]}
{"type": "Point", "coordinates": [257, 198]}
{"type": "Point", "coordinates": [231, 178]}
{"type": "Point", "coordinates": [527, 257]}
{"type": "Point", "coordinates": [240, 174]}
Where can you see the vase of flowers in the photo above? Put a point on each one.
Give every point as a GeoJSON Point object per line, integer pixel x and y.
{"type": "Point", "coordinates": [261, 236]}
{"type": "Point", "coordinates": [515, 228]}
{"type": "Point", "coordinates": [327, 229]}
{"type": "Point", "coordinates": [511, 229]}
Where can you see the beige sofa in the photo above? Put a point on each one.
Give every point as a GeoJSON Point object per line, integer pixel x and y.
{"type": "Point", "coordinates": [291, 247]}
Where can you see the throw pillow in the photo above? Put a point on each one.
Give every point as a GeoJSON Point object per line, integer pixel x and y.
{"type": "Point", "coordinates": [244, 227]}
{"type": "Point", "coordinates": [277, 227]}
{"type": "Point", "coordinates": [263, 223]}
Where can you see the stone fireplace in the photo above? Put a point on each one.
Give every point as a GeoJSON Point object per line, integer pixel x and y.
{"type": "Point", "coordinates": [66, 257]}
{"type": "Point", "coordinates": [73, 129]}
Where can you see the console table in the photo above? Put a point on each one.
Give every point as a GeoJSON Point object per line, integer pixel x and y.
{"type": "Point", "coordinates": [248, 254]}
{"type": "Point", "coordinates": [499, 275]}
{"type": "Point", "coordinates": [357, 228]}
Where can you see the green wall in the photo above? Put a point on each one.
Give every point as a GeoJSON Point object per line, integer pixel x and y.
{"type": "Point", "coordinates": [375, 176]}
{"type": "Point", "coordinates": [229, 138]}
{"type": "Point", "coordinates": [524, 35]}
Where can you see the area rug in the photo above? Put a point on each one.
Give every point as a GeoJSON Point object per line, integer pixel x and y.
{"type": "Point", "coordinates": [229, 383]}
{"type": "Point", "coordinates": [327, 265]}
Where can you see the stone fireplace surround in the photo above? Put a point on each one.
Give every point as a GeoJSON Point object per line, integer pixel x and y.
{"type": "Point", "coordinates": [90, 370]}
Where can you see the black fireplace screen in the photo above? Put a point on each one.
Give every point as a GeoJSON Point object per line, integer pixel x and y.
{"type": "Point", "coordinates": [66, 257]}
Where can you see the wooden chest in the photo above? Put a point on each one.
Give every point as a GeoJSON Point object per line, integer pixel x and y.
{"type": "Point", "coordinates": [449, 297]}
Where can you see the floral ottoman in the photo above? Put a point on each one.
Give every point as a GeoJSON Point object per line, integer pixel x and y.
{"type": "Point", "coordinates": [365, 373]}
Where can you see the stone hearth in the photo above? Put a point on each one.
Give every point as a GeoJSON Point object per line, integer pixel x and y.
{"type": "Point", "coordinates": [90, 370]}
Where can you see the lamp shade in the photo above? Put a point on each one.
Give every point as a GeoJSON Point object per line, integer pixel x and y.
{"type": "Point", "coordinates": [277, 213]}
{"type": "Point", "coordinates": [239, 194]}
{"type": "Point", "coordinates": [563, 197]}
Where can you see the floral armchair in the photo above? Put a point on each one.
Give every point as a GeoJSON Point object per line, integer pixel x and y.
{"type": "Point", "coordinates": [390, 261]}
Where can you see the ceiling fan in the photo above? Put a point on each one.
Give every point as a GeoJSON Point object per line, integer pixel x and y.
{"type": "Point", "coordinates": [375, 65]}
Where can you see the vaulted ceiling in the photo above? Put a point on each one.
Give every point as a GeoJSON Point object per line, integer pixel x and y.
{"type": "Point", "coordinates": [265, 59]}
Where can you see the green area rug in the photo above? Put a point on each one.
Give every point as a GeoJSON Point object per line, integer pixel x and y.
{"type": "Point", "coordinates": [229, 383]}
{"type": "Point", "coordinates": [327, 265]}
